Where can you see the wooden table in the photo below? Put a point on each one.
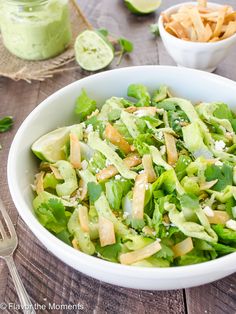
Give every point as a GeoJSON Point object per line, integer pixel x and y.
{"type": "Point", "coordinates": [45, 277]}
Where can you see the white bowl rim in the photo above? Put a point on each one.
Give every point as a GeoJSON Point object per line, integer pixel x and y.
{"type": "Point", "coordinates": [114, 268]}
{"type": "Point", "coordinates": [213, 44]}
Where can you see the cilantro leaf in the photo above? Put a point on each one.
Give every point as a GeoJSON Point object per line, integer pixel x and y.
{"type": "Point", "coordinates": [52, 215]}
{"type": "Point", "coordinates": [103, 31]}
{"type": "Point", "coordinates": [165, 253]}
{"type": "Point", "coordinates": [6, 123]}
{"type": "Point", "coordinates": [126, 46]}
{"type": "Point", "coordinates": [154, 29]}
{"type": "Point", "coordinates": [110, 252]}
{"type": "Point", "coordinates": [84, 105]}
{"type": "Point", "coordinates": [222, 112]}
{"type": "Point", "coordinates": [139, 92]}
{"type": "Point", "coordinates": [224, 175]}
{"type": "Point", "coordinates": [94, 191]}
{"type": "Point", "coordinates": [142, 142]}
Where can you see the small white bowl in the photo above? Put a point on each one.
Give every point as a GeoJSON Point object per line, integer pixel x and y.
{"type": "Point", "coordinates": [196, 55]}
{"type": "Point", "coordinates": [57, 110]}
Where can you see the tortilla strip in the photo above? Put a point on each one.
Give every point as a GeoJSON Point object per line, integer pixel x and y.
{"type": "Point", "coordinates": [177, 29]}
{"type": "Point", "coordinates": [230, 17]}
{"type": "Point", "coordinates": [220, 22]}
{"type": "Point", "coordinates": [231, 30]}
{"type": "Point", "coordinates": [198, 25]}
{"type": "Point", "coordinates": [208, 32]}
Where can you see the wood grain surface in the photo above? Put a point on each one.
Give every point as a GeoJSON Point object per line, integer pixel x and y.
{"type": "Point", "coordinates": [46, 278]}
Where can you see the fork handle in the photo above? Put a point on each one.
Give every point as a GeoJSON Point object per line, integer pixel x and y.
{"type": "Point", "coordinates": [25, 301]}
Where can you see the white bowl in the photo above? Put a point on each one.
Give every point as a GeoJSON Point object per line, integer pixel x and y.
{"type": "Point", "coordinates": [57, 110]}
{"type": "Point", "coordinates": [201, 56]}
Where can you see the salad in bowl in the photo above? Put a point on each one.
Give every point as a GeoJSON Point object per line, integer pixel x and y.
{"type": "Point", "coordinates": [148, 180]}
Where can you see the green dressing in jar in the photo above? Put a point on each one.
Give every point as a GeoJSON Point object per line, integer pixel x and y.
{"type": "Point", "coordinates": [36, 29]}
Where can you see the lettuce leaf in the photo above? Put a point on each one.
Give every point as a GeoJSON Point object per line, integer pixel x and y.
{"type": "Point", "coordinates": [224, 174]}
{"type": "Point", "coordinates": [53, 216]}
{"type": "Point", "coordinates": [115, 190]}
{"type": "Point", "coordinates": [211, 112]}
{"type": "Point", "coordinates": [225, 235]}
{"type": "Point", "coordinates": [181, 166]}
{"type": "Point", "coordinates": [190, 228]}
{"type": "Point", "coordinates": [139, 92]}
{"type": "Point", "coordinates": [193, 257]}
{"type": "Point", "coordinates": [84, 105]}
{"type": "Point", "coordinates": [136, 242]}
{"type": "Point", "coordinates": [152, 262]}
{"type": "Point", "coordinates": [160, 94]}
{"type": "Point", "coordinates": [223, 249]}
{"type": "Point", "coordinates": [175, 118]}
{"type": "Point", "coordinates": [142, 142]}
{"type": "Point", "coordinates": [110, 252]}
{"type": "Point", "coordinates": [94, 191]}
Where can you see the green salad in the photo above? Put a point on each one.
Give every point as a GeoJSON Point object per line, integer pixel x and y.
{"type": "Point", "coordinates": [148, 180]}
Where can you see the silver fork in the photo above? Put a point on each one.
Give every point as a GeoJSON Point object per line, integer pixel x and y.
{"type": "Point", "coordinates": [8, 245]}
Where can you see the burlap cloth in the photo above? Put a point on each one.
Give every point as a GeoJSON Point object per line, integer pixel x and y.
{"type": "Point", "coordinates": [17, 69]}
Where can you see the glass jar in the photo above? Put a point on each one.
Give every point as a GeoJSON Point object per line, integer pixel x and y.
{"type": "Point", "coordinates": [36, 29]}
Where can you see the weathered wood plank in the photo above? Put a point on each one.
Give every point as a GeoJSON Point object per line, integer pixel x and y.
{"type": "Point", "coordinates": [217, 298]}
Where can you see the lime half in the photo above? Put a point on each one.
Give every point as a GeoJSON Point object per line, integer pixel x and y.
{"type": "Point", "coordinates": [50, 147]}
{"type": "Point", "coordinates": [92, 51]}
{"type": "Point", "coordinates": [142, 6]}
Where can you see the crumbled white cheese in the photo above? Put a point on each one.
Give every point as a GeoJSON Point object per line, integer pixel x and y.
{"type": "Point", "coordinates": [140, 113]}
{"type": "Point", "coordinates": [160, 135]}
{"type": "Point", "coordinates": [118, 177]}
{"type": "Point", "coordinates": [219, 145]}
{"type": "Point", "coordinates": [97, 170]}
{"type": "Point", "coordinates": [208, 211]}
{"type": "Point", "coordinates": [146, 186]}
{"type": "Point", "coordinates": [154, 233]}
{"type": "Point", "coordinates": [158, 239]}
{"type": "Point", "coordinates": [83, 125]}
{"type": "Point", "coordinates": [218, 163]}
{"type": "Point", "coordinates": [125, 215]}
{"type": "Point", "coordinates": [231, 224]}
{"type": "Point", "coordinates": [107, 163]}
{"type": "Point", "coordinates": [89, 128]}
{"type": "Point", "coordinates": [141, 171]}
{"type": "Point", "coordinates": [84, 164]}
